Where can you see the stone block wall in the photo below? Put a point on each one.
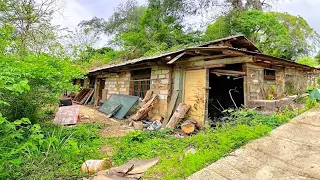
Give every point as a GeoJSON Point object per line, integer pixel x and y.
{"type": "Point", "coordinates": [117, 83]}
{"type": "Point", "coordinates": [296, 81]}
{"type": "Point", "coordinates": [254, 82]}
{"type": "Point", "coordinates": [161, 84]}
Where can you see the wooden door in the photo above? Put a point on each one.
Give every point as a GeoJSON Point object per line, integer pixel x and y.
{"type": "Point", "coordinates": [195, 94]}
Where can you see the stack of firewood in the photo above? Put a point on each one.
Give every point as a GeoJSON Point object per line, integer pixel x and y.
{"type": "Point", "coordinates": [148, 103]}
{"type": "Point", "coordinates": [188, 126]}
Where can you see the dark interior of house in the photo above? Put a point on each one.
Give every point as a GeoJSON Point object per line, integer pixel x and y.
{"type": "Point", "coordinates": [226, 93]}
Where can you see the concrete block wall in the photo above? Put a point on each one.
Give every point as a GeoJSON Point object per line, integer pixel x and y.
{"type": "Point", "coordinates": [161, 84]}
{"type": "Point", "coordinates": [118, 83]}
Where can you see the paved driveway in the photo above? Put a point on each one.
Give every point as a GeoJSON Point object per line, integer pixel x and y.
{"type": "Point", "coordinates": [290, 152]}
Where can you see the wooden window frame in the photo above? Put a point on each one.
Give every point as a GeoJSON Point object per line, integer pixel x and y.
{"type": "Point", "coordinates": [269, 74]}
{"type": "Point", "coordinates": [140, 82]}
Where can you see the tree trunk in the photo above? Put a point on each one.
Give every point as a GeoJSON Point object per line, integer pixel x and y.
{"type": "Point", "coordinates": [178, 115]}
{"type": "Point", "coordinates": [189, 126]}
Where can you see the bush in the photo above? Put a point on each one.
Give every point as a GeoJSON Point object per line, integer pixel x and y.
{"type": "Point", "coordinates": [46, 77]}
{"type": "Point", "coordinates": [50, 152]}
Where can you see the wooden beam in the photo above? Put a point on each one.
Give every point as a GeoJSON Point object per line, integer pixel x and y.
{"type": "Point", "coordinates": [197, 58]}
{"type": "Point", "coordinates": [203, 52]}
{"type": "Point", "coordinates": [234, 60]}
{"type": "Point", "coordinates": [233, 53]}
{"type": "Point", "coordinates": [176, 58]}
{"type": "Point", "coordinates": [205, 67]}
{"type": "Point", "coordinates": [221, 71]}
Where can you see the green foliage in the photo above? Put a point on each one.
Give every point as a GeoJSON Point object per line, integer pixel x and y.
{"type": "Point", "coordinates": [44, 76]}
{"type": "Point", "coordinates": [308, 61]}
{"type": "Point", "coordinates": [145, 30]}
{"type": "Point", "coordinates": [50, 152]}
{"type": "Point", "coordinates": [210, 145]}
{"type": "Point", "coordinates": [277, 34]}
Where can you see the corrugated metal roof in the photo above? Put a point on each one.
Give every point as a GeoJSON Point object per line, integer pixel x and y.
{"type": "Point", "coordinates": [133, 61]}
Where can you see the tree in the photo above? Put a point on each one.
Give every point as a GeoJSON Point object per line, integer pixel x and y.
{"type": "Point", "coordinates": [317, 57]}
{"type": "Point", "coordinates": [276, 34]}
{"type": "Point", "coordinates": [144, 30]}
{"type": "Point", "coordinates": [32, 21]}
{"type": "Point", "coordinates": [308, 61]}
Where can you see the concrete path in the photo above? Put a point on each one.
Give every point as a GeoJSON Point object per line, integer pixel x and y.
{"type": "Point", "coordinates": [290, 152]}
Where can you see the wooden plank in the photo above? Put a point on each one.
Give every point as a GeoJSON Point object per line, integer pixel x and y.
{"type": "Point", "coordinates": [197, 58]}
{"type": "Point", "coordinates": [228, 72]}
{"type": "Point", "coordinates": [171, 106]}
{"type": "Point", "coordinates": [176, 58]}
{"type": "Point", "coordinates": [233, 53]}
{"type": "Point", "coordinates": [195, 94]}
{"type": "Point", "coordinates": [234, 60]}
{"type": "Point", "coordinates": [206, 53]}
{"type": "Point", "coordinates": [205, 67]}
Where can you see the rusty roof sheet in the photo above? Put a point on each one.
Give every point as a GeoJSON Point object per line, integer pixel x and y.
{"type": "Point", "coordinates": [67, 115]}
{"type": "Point", "coordinates": [133, 61]}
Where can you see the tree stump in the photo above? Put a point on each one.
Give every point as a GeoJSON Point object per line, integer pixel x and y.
{"type": "Point", "coordinates": [189, 126]}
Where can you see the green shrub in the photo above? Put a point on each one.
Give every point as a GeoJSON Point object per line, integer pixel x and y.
{"type": "Point", "coordinates": [50, 152]}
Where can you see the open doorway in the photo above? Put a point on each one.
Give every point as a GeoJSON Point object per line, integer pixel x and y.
{"type": "Point", "coordinates": [226, 91]}
{"type": "Point", "coordinates": [101, 87]}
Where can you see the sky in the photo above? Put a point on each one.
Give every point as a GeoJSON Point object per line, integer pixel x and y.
{"type": "Point", "coordinates": [77, 10]}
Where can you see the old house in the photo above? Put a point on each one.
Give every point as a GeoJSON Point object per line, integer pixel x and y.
{"type": "Point", "coordinates": [221, 74]}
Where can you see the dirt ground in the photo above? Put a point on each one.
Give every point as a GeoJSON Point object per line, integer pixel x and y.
{"type": "Point", "coordinates": [112, 127]}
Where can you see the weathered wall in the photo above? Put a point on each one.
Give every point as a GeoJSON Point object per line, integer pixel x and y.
{"type": "Point", "coordinates": [161, 82]}
{"type": "Point", "coordinates": [254, 82]}
{"type": "Point", "coordinates": [280, 83]}
{"type": "Point", "coordinates": [119, 83]}
{"type": "Point", "coordinates": [296, 81]}
{"type": "Point", "coordinates": [289, 81]}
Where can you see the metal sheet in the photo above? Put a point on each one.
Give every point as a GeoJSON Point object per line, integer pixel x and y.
{"type": "Point", "coordinates": [119, 99]}
{"type": "Point", "coordinates": [67, 115]}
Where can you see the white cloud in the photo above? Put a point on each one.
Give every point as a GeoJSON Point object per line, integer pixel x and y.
{"type": "Point", "coordinates": [73, 13]}
{"type": "Point", "coordinates": [308, 9]}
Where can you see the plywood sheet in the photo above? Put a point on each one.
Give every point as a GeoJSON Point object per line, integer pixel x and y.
{"type": "Point", "coordinates": [67, 115]}
{"type": "Point", "coordinates": [119, 99]}
{"type": "Point", "coordinates": [194, 94]}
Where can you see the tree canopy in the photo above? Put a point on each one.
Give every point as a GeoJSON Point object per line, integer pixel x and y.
{"type": "Point", "coordinates": [277, 34]}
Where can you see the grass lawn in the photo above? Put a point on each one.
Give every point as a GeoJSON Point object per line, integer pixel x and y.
{"type": "Point", "coordinates": [210, 144]}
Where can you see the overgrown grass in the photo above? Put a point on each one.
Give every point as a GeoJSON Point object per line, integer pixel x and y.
{"type": "Point", "coordinates": [47, 152]}
{"type": "Point", "coordinates": [210, 145]}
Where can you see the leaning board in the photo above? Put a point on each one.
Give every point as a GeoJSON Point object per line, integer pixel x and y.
{"type": "Point", "coordinates": [119, 99]}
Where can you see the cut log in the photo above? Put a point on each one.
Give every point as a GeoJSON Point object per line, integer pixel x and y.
{"type": "Point", "coordinates": [144, 109]}
{"type": "Point", "coordinates": [157, 118]}
{"type": "Point", "coordinates": [138, 125]}
{"type": "Point", "coordinates": [189, 126]}
{"type": "Point", "coordinates": [178, 115]}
